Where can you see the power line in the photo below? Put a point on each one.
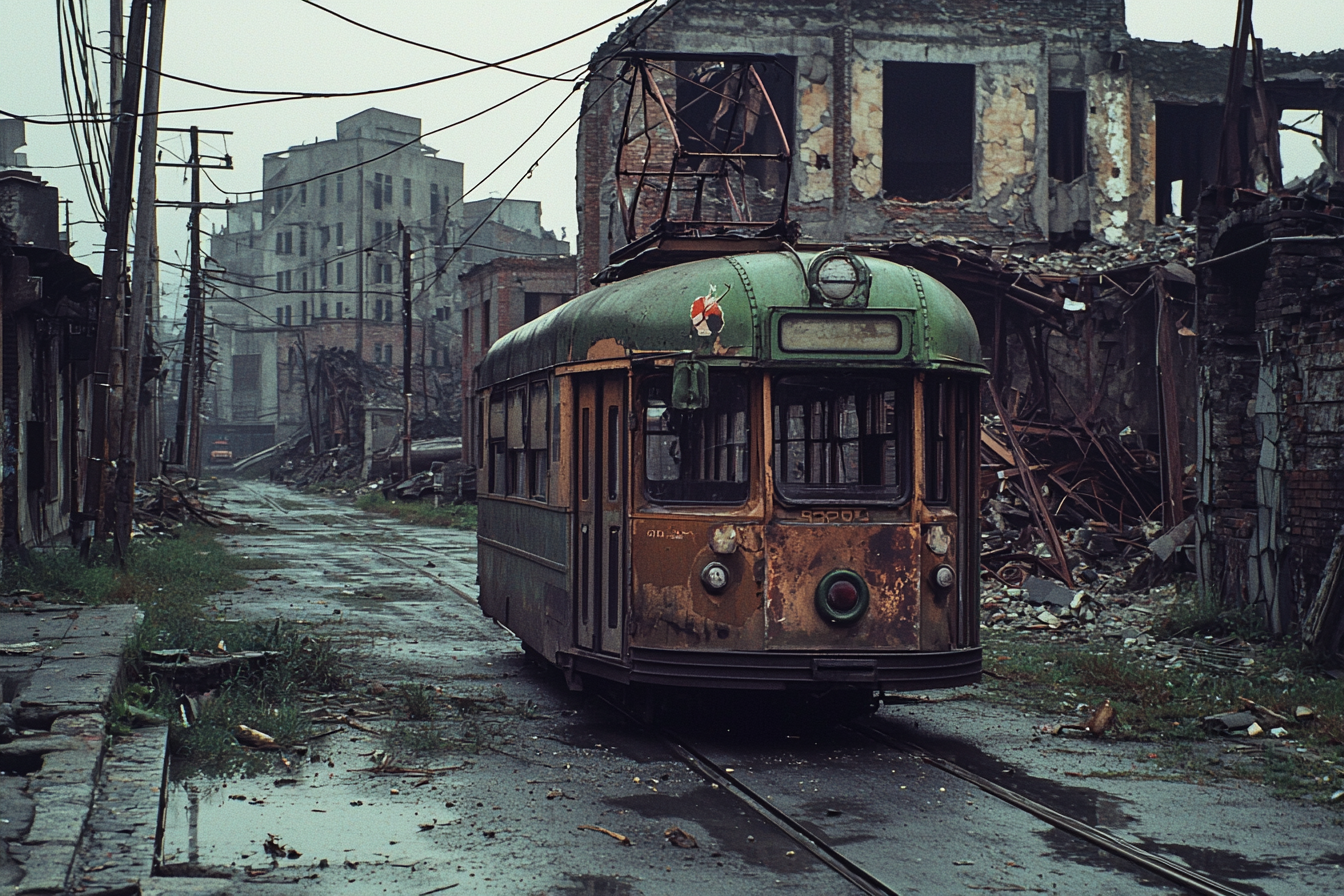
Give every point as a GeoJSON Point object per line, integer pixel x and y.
{"type": "Point", "coordinates": [500, 64]}
{"type": "Point", "coordinates": [272, 96]}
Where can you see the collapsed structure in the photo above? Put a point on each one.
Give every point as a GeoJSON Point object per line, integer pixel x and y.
{"type": "Point", "coordinates": [1051, 169]}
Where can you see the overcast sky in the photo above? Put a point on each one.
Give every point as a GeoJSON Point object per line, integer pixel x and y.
{"type": "Point", "coordinates": [291, 46]}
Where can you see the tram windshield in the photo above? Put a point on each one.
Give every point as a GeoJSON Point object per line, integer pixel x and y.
{"type": "Point", "coordinates": [842, 438]}
{"type": "Point", "coordinates": [696, 457]}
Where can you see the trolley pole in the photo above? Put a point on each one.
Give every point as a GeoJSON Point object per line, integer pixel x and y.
{"type": "Point", "coordinates": [406, 349]}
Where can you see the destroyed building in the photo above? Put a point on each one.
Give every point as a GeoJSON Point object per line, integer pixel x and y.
{"type": "Point", "coordinates": [49, 318]}
{"type": "Point", "coordinates": [1050, 168]}
{"type": "Point", "coordinates": [316, 263]}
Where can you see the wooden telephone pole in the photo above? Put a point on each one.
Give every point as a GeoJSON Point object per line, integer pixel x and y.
{"type": "Point", "coordinates": [187, 444]}
{"type": "Point", "coordinates": [406, 349]}
{"type": "Point", "coordinates": [113, 282]}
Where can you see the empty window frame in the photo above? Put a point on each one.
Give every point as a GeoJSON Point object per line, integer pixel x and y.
{"type": "Point", "coordinates": [340, 190]}
{"type": "Point", "coordinates": [1187, 155]}
{"type": "Point", "coordinates": [1068, 131]}
{"type": "Point", "coordinates": [405, 191]}
{"type": "Point", "coordinates": [928, 130]}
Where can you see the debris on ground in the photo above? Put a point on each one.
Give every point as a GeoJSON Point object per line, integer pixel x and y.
{"type": "Point", "coordinates": [162, 505]}
{"type": "Point", "coordinates": [679, 838]}
{"type": "Point", "coordinates": [257, 740]}
{"type": "Point", "coordinates": [620, 838]}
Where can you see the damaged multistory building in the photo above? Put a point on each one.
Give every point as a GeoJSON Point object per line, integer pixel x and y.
{"type": "Point", "coordinates": [48, 323]}
{"type": "Point", "coordinates": [1035, 157]}
{"type": "Point", "coordinates": [316, 263]}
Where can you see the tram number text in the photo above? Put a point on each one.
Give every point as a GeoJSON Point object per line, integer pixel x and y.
{"type": "Point", "coordinates": [674, 534]}
{"type": "Point", "coordinates": [834, 516]}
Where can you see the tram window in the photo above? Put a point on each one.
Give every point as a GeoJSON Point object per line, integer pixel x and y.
{"type": "Point", "coordinates": [496, 444]}
{"type": "Point", "coordinates": [842, 437]}
{"type": "Point", "coordinates": [516, 445]}
{"type": "Point", "coordinates": [538, 408]}
{"type": "Point", "coordinates": [937, 442]}
{"type": "Point", "coordinates": [697, 457]}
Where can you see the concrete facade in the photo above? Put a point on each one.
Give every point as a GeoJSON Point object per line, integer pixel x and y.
{"type": "Point", "coordinates": [1063, 128]}
{"type": "Point", "coordinates": [316, 262]}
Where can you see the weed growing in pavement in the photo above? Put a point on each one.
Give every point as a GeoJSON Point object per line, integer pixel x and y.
{"type": "Point", "coordinates": [171, 580]}
{"type": "Point", "coordinates": [189, 566]}
{"type": "Point", "coordinates": [418, 701]}
{"type": "Point", "coordinates": [415, 739]}
{"type": "Point", "coordinates": [1197, 611]}
{"type": "Point", "coordinates": [1167, 705]}
{"type": "Point", "coordinates": [421, 513]}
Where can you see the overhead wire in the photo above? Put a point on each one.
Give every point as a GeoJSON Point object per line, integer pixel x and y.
{"type": "Point", "coordinates": [272, 96]}
{"type": "Point", "coordinates": [429, 281]}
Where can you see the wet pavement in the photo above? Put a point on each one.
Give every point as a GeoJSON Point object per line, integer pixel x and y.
{"type": "Point", "coordinates": [58, 666]}
{"type": "Point", "coordinates": [518, 764]}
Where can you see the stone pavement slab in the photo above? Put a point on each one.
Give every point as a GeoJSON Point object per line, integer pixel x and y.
{"type": "Point", "coordinates": [58, 694]}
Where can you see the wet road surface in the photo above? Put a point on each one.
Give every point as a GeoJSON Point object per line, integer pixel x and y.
{"type": "Point", "coordinates": [500, 810]}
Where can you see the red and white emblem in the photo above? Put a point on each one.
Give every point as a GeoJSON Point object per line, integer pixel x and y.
{"type": "Point", "coordinates": [706, 314]}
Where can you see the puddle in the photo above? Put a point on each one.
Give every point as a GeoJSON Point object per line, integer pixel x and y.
{"type": "Point", "coordinates": [227, 823]}
{"type": "Point", "coordinates": [721, 824]}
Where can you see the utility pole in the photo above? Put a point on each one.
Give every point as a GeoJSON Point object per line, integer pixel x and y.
{"type": "Point", "coordinates": [405, 348]}
{"type": "Point", "coordinates": [113, 279]}
{"type": "Point", "coordinates": [143, 279]}
{"type": "Point", "coordinates": [187, 444]}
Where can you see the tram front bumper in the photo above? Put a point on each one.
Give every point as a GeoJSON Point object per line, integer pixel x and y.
{"type": "Point", "coordinates": [785, 670]}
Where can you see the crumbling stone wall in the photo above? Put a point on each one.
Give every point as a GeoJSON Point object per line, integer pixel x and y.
{"type": "Point", "coordinates": [1271, 462]}
{"type": "Point", "coordinates": [840, 50]}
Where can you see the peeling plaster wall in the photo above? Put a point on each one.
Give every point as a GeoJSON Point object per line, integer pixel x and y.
{"type": "Point", "coordinates": [1011, 45]}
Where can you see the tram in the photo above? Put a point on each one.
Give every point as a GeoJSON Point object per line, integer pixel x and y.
{"type": "Point", "coordinates": [756, 471]}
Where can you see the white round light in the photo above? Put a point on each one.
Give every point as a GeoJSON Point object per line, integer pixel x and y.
{"type": "Point", "coordinates": [837, 279]}
{"type": "Point", "coordinates": [715, 576]}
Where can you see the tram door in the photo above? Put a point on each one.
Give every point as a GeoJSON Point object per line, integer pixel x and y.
{"type": "Point", "coordinates": [599, 484]}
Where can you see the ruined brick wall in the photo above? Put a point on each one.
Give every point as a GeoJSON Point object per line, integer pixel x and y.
{"type": "Point", "coordinates": [1272, 467]}
{"type": "Point", "coordinates": [1019, 49]}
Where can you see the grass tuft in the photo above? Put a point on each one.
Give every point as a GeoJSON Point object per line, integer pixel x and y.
{"type": "Point", "coordinates": [421, 513]}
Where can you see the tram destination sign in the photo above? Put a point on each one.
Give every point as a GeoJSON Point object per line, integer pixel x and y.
{"type": "Point", "coordinates": [862, 333]}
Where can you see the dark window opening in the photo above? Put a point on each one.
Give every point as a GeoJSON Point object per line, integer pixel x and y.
{"type": "Point", "coordinates": [937, 442]}
{"type": "Point", "coordinates": [842, 438]}
{"type": "Point", "coordinates": [712, 121]}
{"type": "Point", "coordinates": [697, 457]}
{"type": "Point", "coordinates": [928, 130]}
{"type": "Point", "coordinates": [531, 306]}
{"type": "Point", "coordinates": [1068, 129]}
{"type": "Point", "coordinates": [1187, 155]}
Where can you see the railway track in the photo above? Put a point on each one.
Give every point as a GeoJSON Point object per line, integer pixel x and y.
{"type": "Point", "coordinates": [867, 881]}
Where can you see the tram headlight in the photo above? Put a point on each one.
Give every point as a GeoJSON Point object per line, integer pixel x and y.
{"type": "Point", "coordinates": [714, 576]}
{"type": "Point", "coordinates": [842, 597]}
{"type": "Point", "coordinates": [944, 577]}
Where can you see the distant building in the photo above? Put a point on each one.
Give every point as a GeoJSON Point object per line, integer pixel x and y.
{"type": "Point", "coordinates": [316, 262]}
{"type": "Point", "coordinates": [499, 296]}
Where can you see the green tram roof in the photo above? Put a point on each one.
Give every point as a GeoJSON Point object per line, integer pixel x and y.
{"type": "Point", "coordinates": [651, 315]}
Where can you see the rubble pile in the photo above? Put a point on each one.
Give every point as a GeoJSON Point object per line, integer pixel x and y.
{"type": "Point", "coordinates": [162, 505]}
{"type": "Point", "coordinates": [1095, 498]}
{"type": "Point", "coordinates": [1173, 242]}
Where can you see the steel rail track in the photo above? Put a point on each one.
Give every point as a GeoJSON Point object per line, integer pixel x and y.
{"type": "Point", "coordinates": [711, 771]}
{"type": "Point", "coordinates": [1192, 880]}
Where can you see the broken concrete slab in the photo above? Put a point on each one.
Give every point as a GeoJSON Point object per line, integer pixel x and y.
{"type": "Point", "coordinates": [1043, 591]}
{"type": "Point", "coordinates": [1229, 722]}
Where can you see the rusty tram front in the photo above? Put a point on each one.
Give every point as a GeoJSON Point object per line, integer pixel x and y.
{"type": "Point", "coordinates": [754, 471]}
